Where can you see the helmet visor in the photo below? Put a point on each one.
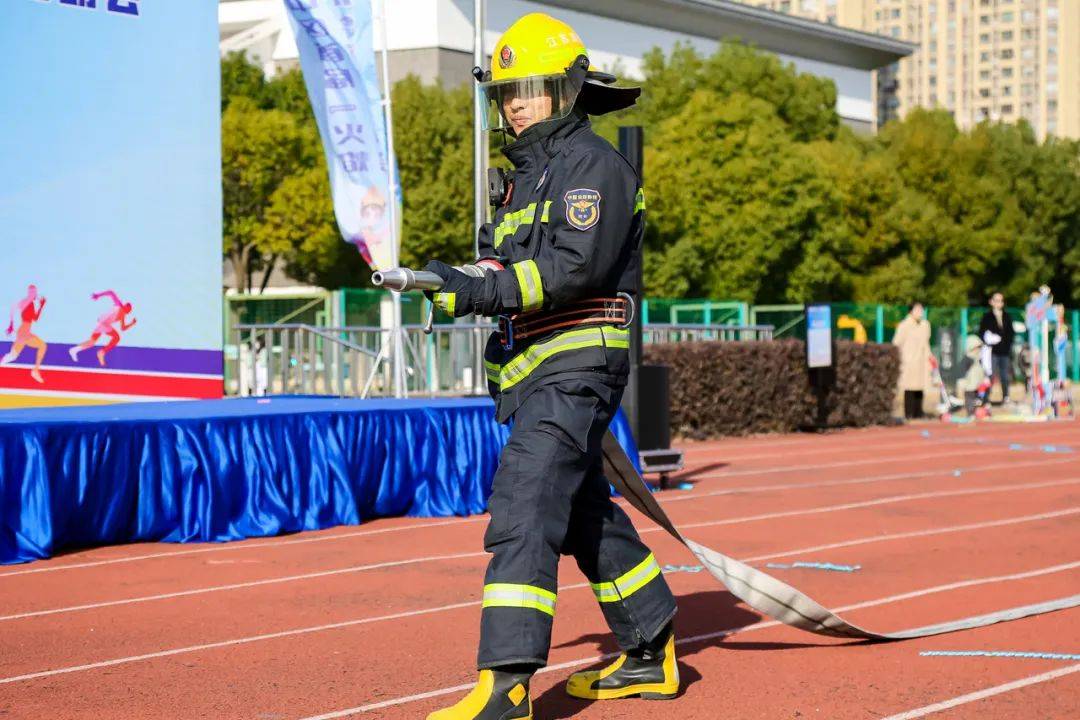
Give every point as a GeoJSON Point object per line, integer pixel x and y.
{"type": "Point", "coordinates": [514, 105]}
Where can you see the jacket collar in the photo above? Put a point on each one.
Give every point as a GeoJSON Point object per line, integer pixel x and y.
{"type": "Point", "coordinates": [545, 140]}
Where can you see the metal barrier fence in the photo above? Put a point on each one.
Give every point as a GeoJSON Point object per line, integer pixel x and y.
{"type": "Point", "coordinates": [304, 359]}
{"type": "Point", "coordinates": [671, 333]}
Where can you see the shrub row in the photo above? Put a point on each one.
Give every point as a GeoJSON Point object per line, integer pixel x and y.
{"type": "Point", "coordinates": [740, 388]}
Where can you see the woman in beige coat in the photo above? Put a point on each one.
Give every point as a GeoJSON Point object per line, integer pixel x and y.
{"type": "Point", "coordinates": [913, 340]}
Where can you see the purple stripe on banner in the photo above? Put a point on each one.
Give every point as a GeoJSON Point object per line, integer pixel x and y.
{"type": "Point", "coordinates": [138, 359]}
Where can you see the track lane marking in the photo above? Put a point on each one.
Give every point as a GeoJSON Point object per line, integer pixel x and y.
{"type": "Point", "coordinates": [878, 501]}
{"type": "Point", "coordinates": [749, 489]}
{"type": "Point", "coordinates": [241, 545]}
{"type": "Point", "coordinates": [684, 641]}
{"type": "Point", "coordinates": [834, 449]}
{"type": "Point", "coordinates": [983, 694]}
{"type": "Point", "coordinates": [240, 586]}
{"type": "Point", "coordinates": [439, 558]}
{"type": "Point", "coordinates": [474, 603]}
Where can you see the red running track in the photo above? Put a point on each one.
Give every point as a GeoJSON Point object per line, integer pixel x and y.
{"type": "Point", "coordinates": [381, 620]}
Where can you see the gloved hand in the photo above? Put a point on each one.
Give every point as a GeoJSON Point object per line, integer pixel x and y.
{"type": "Point", "coordinates": [459, 292]}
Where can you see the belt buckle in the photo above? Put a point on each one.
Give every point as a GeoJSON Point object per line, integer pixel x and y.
{"type": "Point", "coordinates": [506, 332]}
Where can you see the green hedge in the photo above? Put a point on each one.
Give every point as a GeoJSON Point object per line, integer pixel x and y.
{"type": "Point", "coordinates": [740, 388]}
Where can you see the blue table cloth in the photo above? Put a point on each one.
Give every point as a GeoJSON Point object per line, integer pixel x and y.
{"type": "Point", "coordinates": [229, 469]}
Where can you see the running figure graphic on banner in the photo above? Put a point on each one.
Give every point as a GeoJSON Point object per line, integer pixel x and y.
{"type": "Point", "coordinates": [117, 314]}
{"type": "Point", "coordinates": [28, 313]}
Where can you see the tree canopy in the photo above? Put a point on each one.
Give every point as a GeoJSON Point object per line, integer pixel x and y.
{"type": "Point", "coordinates": [755, 189]}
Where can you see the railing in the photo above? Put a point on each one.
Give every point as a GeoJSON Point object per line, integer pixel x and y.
{"type": "Point", "coordinates": [304, 359]}
{"type": "Point", "coordinates": [659, 333]}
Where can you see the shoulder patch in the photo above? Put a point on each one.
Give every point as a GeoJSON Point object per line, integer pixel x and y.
{"type": "Point", "coordinates": [582, 208]}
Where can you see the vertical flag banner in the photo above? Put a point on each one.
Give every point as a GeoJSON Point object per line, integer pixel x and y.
{"type": "Point", "coordinates": [338, 60]}
{"type": "Point", "coordinates": [110, 202]}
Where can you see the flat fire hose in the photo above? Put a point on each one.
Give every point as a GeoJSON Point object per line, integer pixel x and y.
{"type": "Point", "coordinates": [777, 599]}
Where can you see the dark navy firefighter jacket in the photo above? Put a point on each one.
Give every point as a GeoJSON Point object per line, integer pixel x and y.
{"type": "Point", "coordinates": [571, 230]}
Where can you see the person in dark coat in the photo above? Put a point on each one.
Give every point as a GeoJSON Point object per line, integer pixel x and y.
{"type": "Point", "coordinates": [996, 332]}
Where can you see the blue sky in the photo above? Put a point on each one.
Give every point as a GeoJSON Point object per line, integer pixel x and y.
{"type": "Point", "coordinates": [110, 166]}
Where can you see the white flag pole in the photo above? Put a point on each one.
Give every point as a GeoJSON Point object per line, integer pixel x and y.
{"type": "Point", "coordinates": [479, 137]}
{"type": "Point", "coordinates": [397, 331]}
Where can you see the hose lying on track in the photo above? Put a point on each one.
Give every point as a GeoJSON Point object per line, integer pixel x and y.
{"type": "Point", "coordinates": [777, 599]}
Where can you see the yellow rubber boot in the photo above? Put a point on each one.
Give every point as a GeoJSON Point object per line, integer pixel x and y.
{"type": "Point", "coordinates": [653, 676]}
{"type": "Point", "coordinates": [496, 696]}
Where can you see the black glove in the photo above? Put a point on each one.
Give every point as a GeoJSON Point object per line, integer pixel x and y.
{"type": "Point", "coordinates": [459, 293]}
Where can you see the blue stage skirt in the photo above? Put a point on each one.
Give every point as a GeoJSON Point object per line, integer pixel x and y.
{"type": "Point", "coordinates": [212, 471]}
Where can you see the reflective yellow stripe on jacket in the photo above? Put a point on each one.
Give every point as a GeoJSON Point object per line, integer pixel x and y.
{"type": "Point", "coordinates": [514, 220]}
{"type": "Point", "coordinates": [524, 364]}
{"type": "Point", "coordinates": [532, 289]}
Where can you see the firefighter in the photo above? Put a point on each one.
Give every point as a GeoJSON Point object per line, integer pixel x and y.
{"type": "Point", "coordinates": [561, 258]}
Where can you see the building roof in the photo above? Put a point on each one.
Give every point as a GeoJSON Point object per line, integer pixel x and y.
{"type": "Point", "coordinates": [766, 29]}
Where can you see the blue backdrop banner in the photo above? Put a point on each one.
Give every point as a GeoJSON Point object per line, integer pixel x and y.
{"type": "Point", "coordinates": [232, 469]}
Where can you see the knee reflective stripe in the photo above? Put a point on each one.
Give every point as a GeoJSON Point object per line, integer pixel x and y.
{"type": "Point", "coordinates": [446, 301]}
{"type": "Point", "coordinates": [519, 596]}
{"type": "Point", "coordinates": [530, 285]}
{"type": "Point", "coordinates": [639, 201]}
{"type": "Point", "coordinates": [521, 366]}
{"type": "Point", "coordinates": [628, 583]}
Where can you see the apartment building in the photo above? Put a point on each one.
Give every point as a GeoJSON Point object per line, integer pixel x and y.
{"type": "Point", "coordinates": [980, 59]}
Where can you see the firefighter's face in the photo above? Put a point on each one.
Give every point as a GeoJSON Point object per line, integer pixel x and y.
{"type": "Point", "coordinates": [523, 110]}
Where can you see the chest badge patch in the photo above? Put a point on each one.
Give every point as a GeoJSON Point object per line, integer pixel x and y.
{"type": "Point", "coordinates": [582, 208]}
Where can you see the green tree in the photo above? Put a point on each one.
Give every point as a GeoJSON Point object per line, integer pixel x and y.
{"type": "Point", "coordinates": [433, 142]}
{"type": "Point", "coordinates": [299, 227]}
{"type": "Point", "coordinates": [734, 202]}
{"type": "Point", "coordinates": [260, 148]}
{"type": "Point", "coordinates": [241, 78]}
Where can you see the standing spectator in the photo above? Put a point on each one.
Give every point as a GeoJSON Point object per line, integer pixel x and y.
{"type": "Point", "coordinates": [913, 339]}
{"type": "Point", "coordinates": [996, 332]}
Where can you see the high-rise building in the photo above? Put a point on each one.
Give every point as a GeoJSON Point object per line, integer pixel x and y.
{"type": "Point", "coordinates": [980, 59]}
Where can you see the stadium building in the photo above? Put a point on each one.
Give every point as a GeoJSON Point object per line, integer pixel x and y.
{"type": "Point", "coordinates": [433, 39]}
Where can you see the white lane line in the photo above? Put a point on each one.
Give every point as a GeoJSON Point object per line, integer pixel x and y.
{"type": "Point", "coordinates": [918, 533]}
{"type": "Point", "coordinates": [435, 558]}
{"type": "Point", "coordinates": [683, 641]}
{"type": "Point", "coordinates": [860, 437]}
{"type": "Point", "coordinates": [474, 603]}
{"type": "Point", "coordinates": [873, 503]}
{"type": "Point", "coordinates": [240, 545]}
{"type": "Point", "coordinates": [239, 586]}
{"type": "Point", "coordinates": [860, 445]}
{"type": "Point", "coordinates": [747, 489]}
{"type": "Point", "coordinates": [983, 694]}
{"type": "Point", "coordinates": [438, 558]}
{"type": "Point", "coordinates": [974, 450]}
{"type": "Point", "coordinates": [1011, 654]}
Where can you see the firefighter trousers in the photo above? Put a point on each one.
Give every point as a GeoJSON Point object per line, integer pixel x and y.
{"type": "Point", "coordinates": [550, 498]}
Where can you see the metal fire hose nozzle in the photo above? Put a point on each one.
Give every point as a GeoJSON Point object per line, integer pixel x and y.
{"type": "Point", "coordinates": [405, 279]}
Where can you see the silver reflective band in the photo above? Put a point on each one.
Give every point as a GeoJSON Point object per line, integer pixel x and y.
{"type": "Point", "coordinates": [530, 284]}
{"type": "Point", "coordinates": [519, 596]}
